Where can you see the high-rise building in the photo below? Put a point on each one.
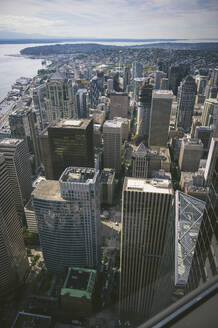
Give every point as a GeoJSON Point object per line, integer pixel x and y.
{"type": "Point", "coordinates": [18, 164]}
{"type": "Point", "coordinates": [204, 133]}
{"type": "Point", "coordinates": [158, 75]}
{"type": "Point", "coordinates": [175, 77]}
{"type": "Point", "coordinates": [112, 134]}
{"type": "Point", "coordinates": [81, 103]}
{"type": "Point", "coordinates": [175, 279]}
{"type": "Point", "coordinates": [145, 209]}
{"type": "Point", "coordinates": [94, 92]}
{"type": "Point", "coordinates": [210, 111]}
{"type": "Point", "coordinates": [13, 259]}
{"type": "Point", "coordinates": [211, 160]}
{"type": "Point", "coordinates": [145, 98]}
{"type": "Point", "coordinates": [59, 103]}
{"type": "Point", "coordinates": [160, 118]}
{"type": "Point", "coordinates": [137, 70]}
{"type": "Point", "coordinates": [190, 154]}
{"type": "Point", "coordinates": [214, 78]}
{"type": "Point", "coordinates": [126, 78]}
{"type": "Point", "coordinates": [145, 161]}
{"type": "Point", "coordinates": [164, 83]}
{"type": "Point", "coordinates": [186, 101]}
{"type": "Point", "coordinates": [23, 125]}
{"type": "Point", "coordinates": [138, 83]}
{"type": "Point", "coordinates": [68, 219]}
{"type": "Point", "coordinates": [201, 82]}
{"type": "Point", "coordinates": [119, 106]}
{"type": "Point", "coordinates": [70, 143]}
{"type": "Point", "coordinates": [39, 101]}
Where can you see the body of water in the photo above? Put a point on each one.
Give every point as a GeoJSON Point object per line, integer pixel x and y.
{"type": "Point", "coordinates": [12, 68]}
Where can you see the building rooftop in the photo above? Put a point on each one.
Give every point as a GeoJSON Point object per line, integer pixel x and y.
{"type": "Point", "coordinates": [75, 124]}
{"type": "Point", "coordinates": [49, 190]}
{"type": "Point", "coordinates": [107, 176]}
{"type": "Point", "coordinates": [162, 186]}
{"type": "Point", "coordinates": [112, 124]}
{"type": "Point", "coordinates": [10, 142]}
{"type": "Point", "coordinates": [212, 100]}
{"type": "Point", "coordinates": [30, 320]}
{"type": "Point", "coordinates": [162, 94]}
{"type": "Point", "coordinates": [189, 214]}
{"type": "Point", "coordinates": [79, 283]}
{"type": "Point", "coordinates": [78, 174]}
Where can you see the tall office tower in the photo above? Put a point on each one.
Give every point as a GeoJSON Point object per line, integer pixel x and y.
{"type": "Point", "coordinates": [116, 82]}
{"type": "Point", "coordinates": [110, 85]}
{"type": "Point", "coordinates": [201, 82]}
{"type": "Point", "coordinates": [186, 101]}
{"type": "Point", "coordinates": [94, 92]}
{"type": "Point", "coordinates": [119, 105]}
{"type": "Point", "coordinates": [174, 76]}
{"type": "Point", "coordinates": [160, 118]}
{"type": "Point", "coordinates": [137, 70]}
{"type": "Point", "coordinates": [164, 84]}
{"type": "Point", "coordinates": [137, 84]}
{"type": "Point", "coordinates": [210, 90]}
{"type": "Point", "coordinates": [39, 101]}
{"type": "Point", "coordinates": [204, 133]}
{"type": "Point", "coordinates": [211, 160]}
{"type": "Point", "coordinates": [81, 103]}
{"type": "Point", "coordinates": [175, 276]}
{"type": "Point", "coordinates": [145, 97]}
{"type": "Point", "coordinates": [100, 81]}
{"type": "Point", "coordinates": [13, 259]}
{"type": "Point", "coordinates": [23, 126]}
{"type": "Point", "coordinates": [214, 78]}
{"type": "Point", "coordinates": [158, 75]}
{"type": "Point", "coordinates": [68, 219]}
{"type": "Point", "coordinates": [112, 134]}
{"type": "Point", "coordinates": [145, 207]}
{"type": "Point", "coordinates": [210, 111]}
{"type": "Point", "coordinates": [190, 154]}
{"type": "Point", "coordinates": [46, 155]}
{"type": "Point", "coordinates": [18, 164]}
{"type": "Point", "coordinates": [126, 78]}
{"type": "Point", "coordinates": [70, 143]}
{"type": "Point", "coordinates": [59, 98]}
{"type": "Point", "coordinates": [125, 127]}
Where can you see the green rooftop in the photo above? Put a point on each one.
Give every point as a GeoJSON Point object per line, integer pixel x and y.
{"type": "Point", "coordinates": [79, 282]}
{"type": "Point", "coordinates": [213, 100]}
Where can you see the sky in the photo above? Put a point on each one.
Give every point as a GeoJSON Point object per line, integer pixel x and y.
{"type": "Point", "coordinates": [109, 19]}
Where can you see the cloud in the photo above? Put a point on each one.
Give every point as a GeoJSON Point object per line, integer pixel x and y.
{"type": "Point", "coordinates": [112, 18]}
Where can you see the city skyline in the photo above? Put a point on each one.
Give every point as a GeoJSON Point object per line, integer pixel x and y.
{"type": "Point", "coordinates": [123, 19]}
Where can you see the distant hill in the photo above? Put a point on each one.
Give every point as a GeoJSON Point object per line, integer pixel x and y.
{"type": "Point", "coordinates": [59, 49]}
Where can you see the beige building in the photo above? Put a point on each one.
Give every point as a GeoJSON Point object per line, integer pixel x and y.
{"type": "Point", "coordinates": [190, 155]}
{"type": "Point", "coordinates": [145, 208]}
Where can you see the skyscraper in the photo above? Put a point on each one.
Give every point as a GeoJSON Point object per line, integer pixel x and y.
{"type": "Point", "coordinates": [68, 219]}
{"type": "Point", "coordinates": [137, 70]}
{"type": "Point", "coordinates": [145, 207]}
{"type": "Point", "coordinates": [112, 134]}
{"type": "Point", "coordinates": [174, 278]}
{"type": "Point", "coordinates": [81, 105]}
{"type": "Point", "coordinates": [119, 106]}
{"type": "Point", "coordinates": [186, 101]}
{"type": "Point", "coordinates": [70, 143]}
{"type": "Point", "coordinates": [23, 125]}
{"type": "Point", "coordinates": [94, 92]}
{"type": "Point", "coordinates": [160, 118]}
{"type": "Point", "coordinates": [13, 259]}
{"type": "Point", "coordinates": [191, 152]}
{"type": "Point", "coordinates": [158, 75]}
{"type": "Point", "coordinates": [18, 164]}
{"type": "Point", "coordinates": [59, 98]}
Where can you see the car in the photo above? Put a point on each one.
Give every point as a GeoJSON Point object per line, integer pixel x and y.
{"type": "Point", "coordinates": [116, 223]}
